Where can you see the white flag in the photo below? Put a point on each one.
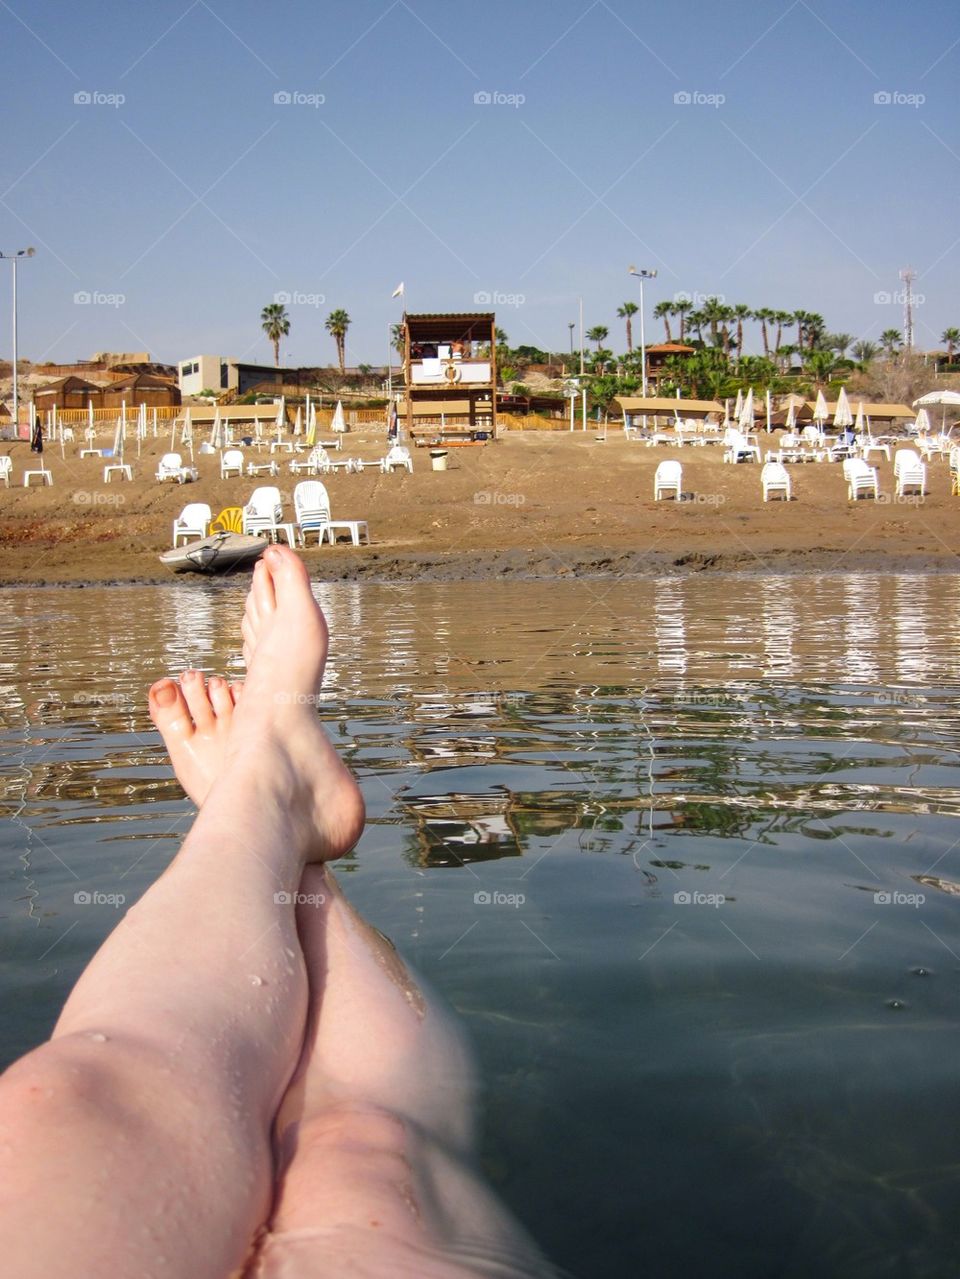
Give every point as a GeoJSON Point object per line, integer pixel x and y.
{"type": "Point", "coordinates": [398, 291]}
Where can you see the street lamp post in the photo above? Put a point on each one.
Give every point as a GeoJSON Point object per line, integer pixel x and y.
{"type": "Point", "coordinates": [642, 274]}
{"type": "Point", "coordinates": [14, 258]}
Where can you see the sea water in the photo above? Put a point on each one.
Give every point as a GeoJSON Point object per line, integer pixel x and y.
{"type": "Point", "coordinates": [683, 852]}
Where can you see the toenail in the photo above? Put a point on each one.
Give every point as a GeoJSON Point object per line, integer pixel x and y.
{"type": "Point", "coordinates": [165, 694]}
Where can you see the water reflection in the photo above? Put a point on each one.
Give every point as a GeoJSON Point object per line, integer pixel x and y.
{"type": "Point", "coordinates": [787, 746]}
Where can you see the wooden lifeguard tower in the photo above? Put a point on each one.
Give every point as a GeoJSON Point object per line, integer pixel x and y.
{"type": "Point", "coordinates": [450, 376]}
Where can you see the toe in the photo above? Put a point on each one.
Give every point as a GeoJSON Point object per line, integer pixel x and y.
{"type": "Point", "coordinates": [263, 595]}
{"type": "Point", "coordinates": [221, 699]}
{"type": "Point", "coordinates": [169, 710]}
{"type": "Point", "coordinates": [198, 700]}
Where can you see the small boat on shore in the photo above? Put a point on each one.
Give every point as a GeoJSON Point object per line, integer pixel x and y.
{"type": "Point", "coordinates": [221, 553]}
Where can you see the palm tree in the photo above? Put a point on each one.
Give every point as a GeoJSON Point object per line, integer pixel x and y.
{"type": "Point", "coordinates": [276, 324]}
{"type": "Point", "coordinates": [741, 312]}
{"type": "Point", "coordinates": [713, 312]}
{"type": "Point", "coordinates": [625, 312]}
{"type": "Point", "coordinates": [398, 339]}
{"type": "Point", "coordinates": [821, 364]}
{"type": "Point", "coordinates": [815, 329]}
{"type": "Point", "coordinates": [952, 338]}
{"type": "Point", "coordinates": [864, 352]}
{"type": "Point", "coordinates": [839, 342]}
{"type": "Point", "coordinates": [597, 334]}
{"type": "Point", "coordinates": [799, 318]}
{"type": "Point", "coordinates": [663, 311]}
{"type": "Point", "coordinates": [680, 309]}
{"type": "Point", "coordinates": [780, 319]}
{"type": "Point", "coordinates": [890, 340]}
{"type": "Point", "coordinates": [336, 324]}
{"type": "Point", "coordinates": [766, 316]}
{"type": "Point", "coordinates": [696, 322]}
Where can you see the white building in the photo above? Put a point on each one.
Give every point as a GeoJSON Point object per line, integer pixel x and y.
{"type": "Point", "coordinates": [207, 373]}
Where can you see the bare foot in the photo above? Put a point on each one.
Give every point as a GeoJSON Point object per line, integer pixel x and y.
{"type": "Point", "coordinates": [210, 731]}
{"type": "Point", "coordinates": [194, 719]}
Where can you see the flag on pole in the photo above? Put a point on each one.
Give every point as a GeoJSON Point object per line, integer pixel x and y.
{"type": "Point", "coordinates": [398, 291]}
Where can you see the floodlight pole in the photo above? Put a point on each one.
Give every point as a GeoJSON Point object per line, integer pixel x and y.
{"type": "Point", "coordinates": [13, 258]}
{"type": "Point", "coordinates": [643, 274]}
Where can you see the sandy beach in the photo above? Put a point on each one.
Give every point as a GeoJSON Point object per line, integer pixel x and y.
{"type": "Point", "coordinates": [538, 504]}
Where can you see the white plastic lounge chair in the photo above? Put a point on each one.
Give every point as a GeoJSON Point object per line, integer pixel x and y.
{"type": "Point", "coordinates": [192, 522]}
{"type": "Point", "coordinates": [171, 468]}
{"type": "Point", "coordinates": [231, 462]}
{"type": "Point", "coordinates": [6, 468]}
{"type": "Point", "coordinates": [909, 472]}
{"type": "Point", "coordinates": [668, 478]}
{"type": "Point", "coordinates": [311, 503]}
{"type": "Point", "coordinates": [315, 463]}
{"type": "Point", "coordinates": [398, 455]}
{"type": "Point", "coordinates": [264, 514]}
{"type": "Point", "coordinates": [861, 479]}
{"type": "Point", "coordinates": [774, 479]}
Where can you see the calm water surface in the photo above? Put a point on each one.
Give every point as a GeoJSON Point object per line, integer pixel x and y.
{"type": "Point", "coordinates": [682, 852]}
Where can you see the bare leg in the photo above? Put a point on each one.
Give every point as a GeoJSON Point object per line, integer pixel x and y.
{"type": "Point", "coordinates": [376, 1131]}
{"type": "Point", "coordinates": [137, 1142]}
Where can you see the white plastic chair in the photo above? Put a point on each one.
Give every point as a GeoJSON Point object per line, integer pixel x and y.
{"type": "Point", "coordinates": [231, 462]}
{"type": "Point", "coordinates": [192, 522]}
{"type": "Point", "coordinates": [311, 503]}
{"type": "Point", "coordinates": [264, 512]}
{"type": "Point", "coordinates": [739, 448]}
{"type": "Point", "coordinates": [909, 472]}
{"type": "Point", "coordinates": [315, 463]}
{"type": "Point", "coordinates": [6, 468]}
{"type": "Point", "coordinates": [398, 455]}
{"type": "Point", "coordinates": [668, 478]}
{"type": "Point", "coordinates": [861, 478]}
{"type": "Point", "coordinates": [774, 479]}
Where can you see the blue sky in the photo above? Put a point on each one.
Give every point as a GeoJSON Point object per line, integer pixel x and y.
{"type": "Point", "coordinates": [185, 208]}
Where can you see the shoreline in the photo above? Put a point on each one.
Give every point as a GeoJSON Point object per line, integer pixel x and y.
{"type": "Point", "coordinates": [510, 565]}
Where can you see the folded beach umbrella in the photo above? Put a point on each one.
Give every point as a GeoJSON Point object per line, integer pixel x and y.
{"type": "Point", "coordinates": [339, 422]}
{"type": "Point", "coordinates": [745, 416]}
{"type": "Point", "coordinates": [820, 411]}
{"type": "Point", "coordinates": [738, 407]}
{"type": "Point", "coordinates": [36, 439]}
{"type": "Point", "coordinates": [843, 416]}
{"type": "Point", "coordinates": [791, 419]}
{"type": "Point", "coordinates": [311, 424]}
{"type": "Point", "coordinates": [922, 424]}
{"type": "Point", "coordinates": [860, 425]}
{"type": "Point", "coordinates": [298, 423]}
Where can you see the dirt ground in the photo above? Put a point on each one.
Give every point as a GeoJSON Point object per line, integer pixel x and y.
{"type": "Point", "coordinates": [537, 504]}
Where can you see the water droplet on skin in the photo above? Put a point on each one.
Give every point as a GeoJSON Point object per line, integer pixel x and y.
{"type": "Point", "coordinates": [255, 980]}
{"type": "Point", "coordinates": [920, 972]}
{"type": "Point", "coordinates": [290, 954]}
{"type": "Point", "coordinates": [896, 1005]}
{"type": "Point", "coordinates": [97, 1037]}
